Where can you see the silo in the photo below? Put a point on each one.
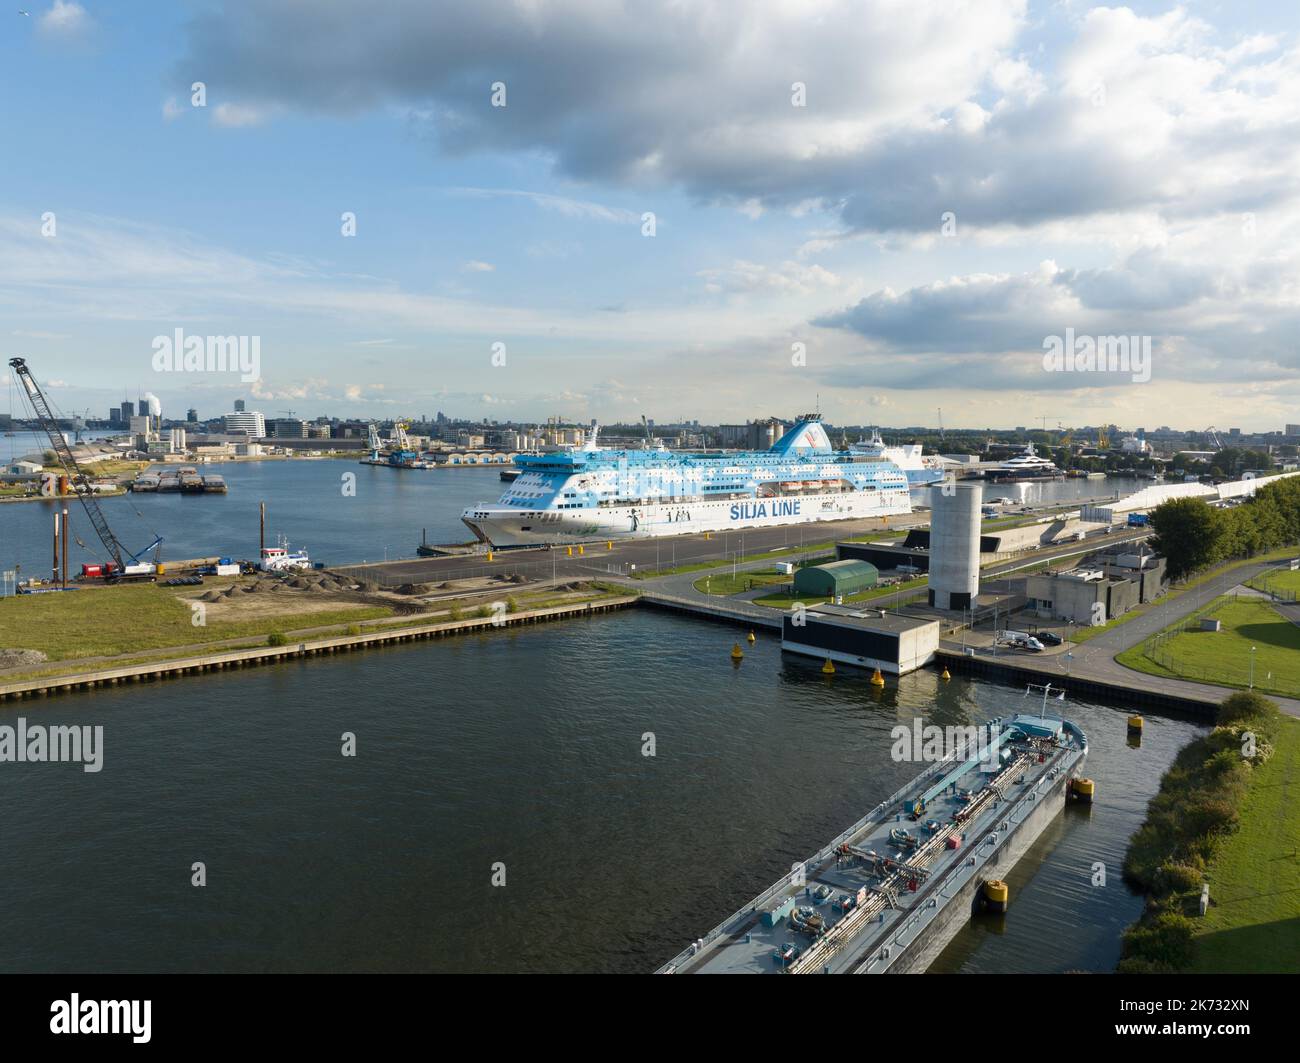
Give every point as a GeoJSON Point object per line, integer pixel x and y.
{"type": "Point", "coordinates": [955, 545]}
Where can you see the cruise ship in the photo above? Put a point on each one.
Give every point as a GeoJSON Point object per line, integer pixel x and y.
{"type": "Point", "coordinates": [589, 494]}
{"type": "Point", "coordinates": [919, 468]}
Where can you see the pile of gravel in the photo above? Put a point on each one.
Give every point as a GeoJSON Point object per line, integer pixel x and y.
{"type": "Point", "coordinates": [21, 658]}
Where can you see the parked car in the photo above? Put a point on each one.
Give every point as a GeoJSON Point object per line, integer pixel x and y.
{"type": "Point", "coordinates": [1050, 638]}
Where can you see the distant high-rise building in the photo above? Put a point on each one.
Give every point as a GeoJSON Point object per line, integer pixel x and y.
{"type": "Point", "coordinates": [191, 414]}
{"type": "Point", "coordinates": [251, 423]}
{"type": "Point", "coordinates": [1292, 430]}
{"type": "Point", "coordinates": [142, 408]}
{"type": "Point", "coordinates": [239, 405]}
{"type": "Point", "coordinates": [127, 412]}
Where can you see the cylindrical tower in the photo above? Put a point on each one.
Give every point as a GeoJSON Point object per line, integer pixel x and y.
{"type": "Point", "coordinates": [955, 545]}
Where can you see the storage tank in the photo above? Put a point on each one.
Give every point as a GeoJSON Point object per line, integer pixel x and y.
{"type": "Point", "coordinates": [955, 545]}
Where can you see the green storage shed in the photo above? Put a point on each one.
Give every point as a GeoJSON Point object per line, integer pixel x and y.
{"type": "Point", "coordinates": [835, 579]}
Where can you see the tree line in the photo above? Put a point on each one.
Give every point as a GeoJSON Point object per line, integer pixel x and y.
{"type": "Point", "coordinates": [1192, 534]}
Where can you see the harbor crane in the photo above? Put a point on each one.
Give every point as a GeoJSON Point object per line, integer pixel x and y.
{"type": "Point", "coordinates": [76, 475]}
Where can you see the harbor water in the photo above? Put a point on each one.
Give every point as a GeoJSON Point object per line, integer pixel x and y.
{"type": "Point", "coordinates": [518, 754]}
{"type": "Point", "coordinates": [383, 520]}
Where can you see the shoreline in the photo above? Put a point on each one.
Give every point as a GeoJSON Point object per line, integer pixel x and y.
{"type": "Point", "coordinates": [194, 664]}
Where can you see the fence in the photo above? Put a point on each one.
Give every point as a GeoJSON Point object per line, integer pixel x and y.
{"type": "Point", "coordinates": [1239, 670]}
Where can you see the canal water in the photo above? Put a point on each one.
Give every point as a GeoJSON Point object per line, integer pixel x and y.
{"type": "Point", "coordinates": [384, 519]}
{"type": "Point", "coordinates": [519, 750]}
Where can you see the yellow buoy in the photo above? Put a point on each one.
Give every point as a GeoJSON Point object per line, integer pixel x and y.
{"type": "Point", "coordinates": [996, 895]}
{"type": "Point", "coordinates": [1082, 790]}
{"type": "Point", "coordinates": [736, 652]}
{"type": "Point", "coordinates": [945, 674]}
{"type": "Point", "coordinates": [1135, 723]}
{"type": "Point", "coordinates": [877, 680]}
{"type": "Point", "coordinates": [828, 668]}
{"type": "Point", "coordinates": [750, 638]}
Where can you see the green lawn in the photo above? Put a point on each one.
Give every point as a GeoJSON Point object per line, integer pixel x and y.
{"type": "Point", "coordinates": [1254, 921]}
{"type": "Point", "coordinates": [724, 583]}
{"type": "Point", "coordinates": [106, 621]}
{"type": "Point", "coordinates": [1082, 634]}
{"type": "Point", "coordinates": [788, 553]}
{"type": "Point", "coordinates": [1224, 657]}
{"type": "Point", "coordinates": [1275, 580]}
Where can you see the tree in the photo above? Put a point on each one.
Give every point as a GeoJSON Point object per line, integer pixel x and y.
{"type": "Point", "coordinates": [1188, 533]}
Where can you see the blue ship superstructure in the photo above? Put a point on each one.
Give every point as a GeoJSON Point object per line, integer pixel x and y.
{"type": "Point", "coordinates": [590, 494]}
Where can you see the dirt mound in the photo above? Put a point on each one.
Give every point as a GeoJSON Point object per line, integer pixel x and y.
{"type": "Point", "coordinates": [413, 588]}
{"type": "Point", "coordinates": [20, 658]}
{"type": "Point", "coordinates": [517, 578]}
{"type": "Point", "coordinates": [299, 584]}
{"type": "Point", "coordinates": [213, 596]}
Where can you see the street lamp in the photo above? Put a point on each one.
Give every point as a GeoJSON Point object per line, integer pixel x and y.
{"type": "Point", "coordinates": [1252, 668]}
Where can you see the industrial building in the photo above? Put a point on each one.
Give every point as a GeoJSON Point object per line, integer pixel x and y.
{"type": "Point", "coordinates": [1104, 587]}
{"type": "Point", "coordinates": [838, 579]}
{"type": "Point", "coordinates": [868, 638]}
{"type": "Point", "coordinates": [955, 546]}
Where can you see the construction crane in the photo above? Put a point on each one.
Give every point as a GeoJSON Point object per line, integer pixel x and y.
{"type": "Point", "coordinates": [79, 480]}
{"type": "Point", "coordinates": [941, 435]}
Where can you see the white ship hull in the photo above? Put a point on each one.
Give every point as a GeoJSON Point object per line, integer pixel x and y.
{"type": "Point", "coordinates": [501, 526]}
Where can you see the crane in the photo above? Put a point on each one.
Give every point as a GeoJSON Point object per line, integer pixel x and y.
{"type": "Point", "coordinates": [80, 482]}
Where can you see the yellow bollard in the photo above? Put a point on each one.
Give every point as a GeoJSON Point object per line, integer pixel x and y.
{"type": "Point", "coordinates": [489, 555]}
{"type": "Point", "coordinates": [609, 545]}
{"type": "Point", "coordinates": [580, 550]}
{"type": "Point", "coordinates": [568, 551]}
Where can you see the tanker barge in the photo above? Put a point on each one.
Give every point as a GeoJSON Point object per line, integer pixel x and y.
{"type": "Point", "coordinates": [890, 892]}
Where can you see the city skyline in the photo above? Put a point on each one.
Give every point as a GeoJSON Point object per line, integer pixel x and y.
{"type": "Point", "coordinates": [827, 226]}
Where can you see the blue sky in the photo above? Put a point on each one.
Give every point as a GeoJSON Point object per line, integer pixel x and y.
{"type": "Point", "coordinates": [1112, 170]}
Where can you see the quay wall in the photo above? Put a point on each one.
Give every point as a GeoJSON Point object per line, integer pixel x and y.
{"type": "Point", "coordinates": [172, 668]}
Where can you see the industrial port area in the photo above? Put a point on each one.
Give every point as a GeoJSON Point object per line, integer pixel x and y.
{"type": "Point", "coordinates": [682, 489]}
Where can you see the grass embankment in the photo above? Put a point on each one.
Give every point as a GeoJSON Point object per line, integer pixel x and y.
{"type": "Point", "coordinates": [1251, 628]}
{"type": "Point", "coordinates": [1222, 817]}
{"type": "Point", "coordinates": [107, 621]}
{"type": "Point", "coordinates": [68, 629]}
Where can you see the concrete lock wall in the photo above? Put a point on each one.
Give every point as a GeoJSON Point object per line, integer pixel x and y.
{"type": "Point", "coordinates": [955, 546]}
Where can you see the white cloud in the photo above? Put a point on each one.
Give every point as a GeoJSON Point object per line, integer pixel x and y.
{"type": "Point", "coordinates": [238, 115]}
{"type": "Point", "coordinates": [475, 266]}
{"type": "Point", "coordinates": [65, 19]}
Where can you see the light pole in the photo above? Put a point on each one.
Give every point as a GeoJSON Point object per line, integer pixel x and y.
{"type": "Point", "coordinates": [1252, 668]}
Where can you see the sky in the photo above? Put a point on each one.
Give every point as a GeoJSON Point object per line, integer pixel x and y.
{"type": "Point", "coordinates": [720, 211]}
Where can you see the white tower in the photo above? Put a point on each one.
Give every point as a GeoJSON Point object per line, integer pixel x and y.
{"type": "Point", "coordinates": [955, 545]}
